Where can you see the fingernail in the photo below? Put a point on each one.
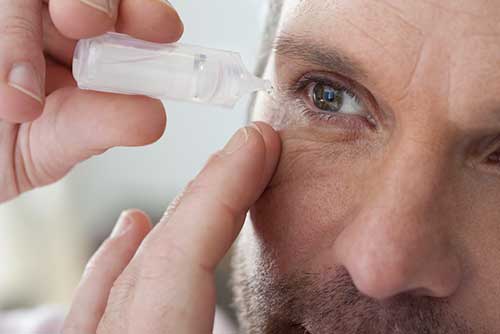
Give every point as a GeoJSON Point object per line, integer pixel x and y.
{"type": "Point", "coordinates": [167, 3]}
{"type": "Point", "coordinates": [108, 7]}
{"type": "Point", "coordinates": [256, 127]}
{"type": "Point", "coordinates": [123, 225]}
{"type": "Point", "coordinates": [238, 140]}
{"type": "Point", "coordinates": [24, 78]}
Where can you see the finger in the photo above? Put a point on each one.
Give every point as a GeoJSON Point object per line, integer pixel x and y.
{"type": "Point", "coordinates": [78, 124]}
{"type": "Point", "coordinates": [174, 268]}
{"type": "Point", "coordinates": [55, 44]}
{"type": "Point", "coordinates": [22, 72]}
{"type": "Point", "coordinates": [77, 19]}
{"type": "Point", "coordinates": [273, 145]}
{"type": "Point", "coordinates": [58, 77]}
{"type": "Point", "coordinates": [163, 22]}
{"type": "Point", "coordinates": [156, 20]}
{"type": "Point", "coordinates": [103, 269]}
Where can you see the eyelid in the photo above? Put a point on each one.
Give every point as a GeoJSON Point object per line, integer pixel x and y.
{"type": "Point", "coordinates": [309, 91]}
{"type": "Point", "coordinates": [336, 81]}
{"type": "Point", "coordinates": [299, 89]}
{"type": "Point", "coordinates": [488, 147]}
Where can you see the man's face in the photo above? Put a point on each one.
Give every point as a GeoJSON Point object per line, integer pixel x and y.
{"type": "Point", "coordinates": [383, 216]}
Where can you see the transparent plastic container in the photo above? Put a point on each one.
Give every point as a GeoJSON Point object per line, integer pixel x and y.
{"type": "Point", "coordinates": [118, 63]}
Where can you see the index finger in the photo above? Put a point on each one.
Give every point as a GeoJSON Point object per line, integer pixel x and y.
{"type": "Point", "coordinates": [174, 269]}
{"type": "Point", "coordinates": [153, 20]}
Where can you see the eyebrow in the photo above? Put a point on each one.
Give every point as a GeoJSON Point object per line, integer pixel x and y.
{"type": "Point", "coordinates": [302, 49]}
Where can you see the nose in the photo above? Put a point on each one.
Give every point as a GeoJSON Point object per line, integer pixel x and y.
{"type": "Point", "coordinates": [399, 242]}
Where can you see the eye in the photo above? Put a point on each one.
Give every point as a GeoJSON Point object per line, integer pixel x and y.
{"type": "Point", "coordinates": [328, 98]}
{"type": "Point", "coordinates": [331, 99]}
{"type": "Point", "coordinates": [489, 151]}
{"type": "Point", "coordinates": [494, 158]}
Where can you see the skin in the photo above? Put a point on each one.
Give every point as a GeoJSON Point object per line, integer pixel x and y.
{"type": "Point", "coordinates": [142, 280]}
{"type": "Point", "coordinates": [384, 222]}
{"type": "Point", "coordinates": [389, 228]}
{"type": "Point", "coordinates": [41, 141]}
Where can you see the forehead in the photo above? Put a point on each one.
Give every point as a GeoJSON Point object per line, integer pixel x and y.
{"type": "Point", "coordinates": [455, 43]}
{"type": "Point", "coordinates": [397, 27]}
{"type": "Point", "coordinates": [419, 15]}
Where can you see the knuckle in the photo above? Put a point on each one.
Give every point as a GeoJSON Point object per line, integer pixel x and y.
{"type": "Point", "coordinates": [196, 186]}
{"type": "Point", "coordinates": [122, 289]}
{"type": "Point", "coordinates": [72, 328]}
{"type": "Point", "coordinates": [91, 266]}
{"type": "Point", "coordinates": [19, 27]}
{"type": "Point", "coordinates": [161, 260]}
{"type": "Point", "coordinates": [101, 259]}
{"type": "Point", "coordinates": [114, 318]}
{"type": "Point", "coordinates": [106, 325]}
{"type": "Point", "coordinates": [227, 211]}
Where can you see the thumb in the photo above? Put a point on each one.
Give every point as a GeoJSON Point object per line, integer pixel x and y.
{"type": "Point", "coordinates": [78, 124]}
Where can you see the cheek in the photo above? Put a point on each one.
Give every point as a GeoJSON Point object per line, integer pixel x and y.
{"type": "Point", "coordinates": [315, 190]}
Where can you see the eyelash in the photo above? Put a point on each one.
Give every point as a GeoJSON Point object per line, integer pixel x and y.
{"type": "Point", "coordinates": [302, 88]}
{"type": "Point", "coordinates": [493, 157]}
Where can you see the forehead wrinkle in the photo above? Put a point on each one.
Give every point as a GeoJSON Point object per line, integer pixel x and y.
{"type": "Point", "coordinates": [446, 33]}
{"type": "Point", "coordinates": [301, 48]}
{"type": "Point", "coordinates": [477, 81]}
{"type": "Point", "coordinates": [299, 9]}
{"type": "Point", "coordinates": [456, 9]}
{"type": "Point", "coordinates": [362, 23]}
{"type": "Point", "coordinates": [367, 35]}
{"type": "Point", "coordinates": [381, 25]}
{"type": "Point", "coordinates": [401, 15]}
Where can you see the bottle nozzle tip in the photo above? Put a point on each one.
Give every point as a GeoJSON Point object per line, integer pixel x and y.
{"type": "Point", "coordinates": [268, 86]}
{"type": "Point", "coordinates": [254, 84]}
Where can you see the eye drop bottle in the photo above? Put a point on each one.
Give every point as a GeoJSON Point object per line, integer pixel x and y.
{"type": "Point", "coordinates": [118, 63]}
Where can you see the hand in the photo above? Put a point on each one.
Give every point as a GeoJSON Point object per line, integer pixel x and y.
{"type": "Point", "coordinates": [60, 124]}
{"type": "Point", "coordinates": [162, 281]}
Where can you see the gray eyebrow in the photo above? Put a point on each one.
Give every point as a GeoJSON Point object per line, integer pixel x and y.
{"type": "Point", "coordinates": [301, 48]}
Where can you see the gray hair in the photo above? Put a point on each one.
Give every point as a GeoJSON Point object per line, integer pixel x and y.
{"type": "Point", "coordinates": [272, 21]}
{"type": "Point", "coordinates": [266, 47]}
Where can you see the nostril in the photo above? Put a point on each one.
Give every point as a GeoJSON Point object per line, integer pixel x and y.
{"type": "Point", "coordinates": [378, 277]}
{"type": "Point", "coordinates": [421, 292]}
{"type": "Point", "coordinates": [384, 259]}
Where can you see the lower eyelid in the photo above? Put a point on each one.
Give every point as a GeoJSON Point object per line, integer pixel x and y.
{"type": "Point", "coordinates": [307, 89]}
{"type": "Point", "coordinates": [348, 122]}
{"type": "Point", "coordinates": [356, 121]}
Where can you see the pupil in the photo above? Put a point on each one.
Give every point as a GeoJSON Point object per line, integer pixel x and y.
{"type": "Point", "coordinates": [329, 95]}
{"type": "Point", "coordinates": [327, 98]}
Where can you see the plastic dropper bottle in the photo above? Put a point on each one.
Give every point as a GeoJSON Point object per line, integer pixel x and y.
{"type": "Point", "coordinates": [118, 63]}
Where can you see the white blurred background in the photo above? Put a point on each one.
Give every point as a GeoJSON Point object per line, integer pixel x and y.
{"type": "Point", "coordinates": [47, 235]}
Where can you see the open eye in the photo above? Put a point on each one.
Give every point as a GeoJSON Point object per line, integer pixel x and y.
{"type": "Point", "coordinates": [328, 98]}
{"type": "Point", "coordinates": [335, 100]}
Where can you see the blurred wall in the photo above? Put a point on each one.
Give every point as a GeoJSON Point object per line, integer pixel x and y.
{"type": "Point", "coordinates": [47, 235]}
